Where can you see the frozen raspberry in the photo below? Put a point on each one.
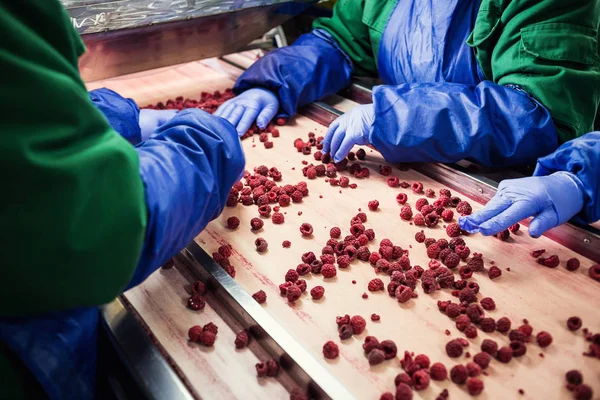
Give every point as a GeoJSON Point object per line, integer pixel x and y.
{"type": "Point", "coordinates": [453, 310]}
{"type": "Point", "coordinates": [420, 380]}
{"type": "Point", "coordinates": [514, 228]}
{"type": "Point", "coordinates": [403, 392]}
{"type": "Point", "coordinates": [317, 292]}
{"type": "Point", "coordinates": [261, 245]}
{"type": "Point", "coordinates": [431, 220]}
{"type": "Point", "coordinates": [420, 237]}
{"type": "Point", "coordinates": [303, 269]}
{"type": "Point", "coordinates": [327, 258]}
{"type": "Point", "coordinates": [196, 302]}
{"type": "Point", "coordinates": [475, 312]}
{"type": "Point", "coordinates": [382, 265]}
{"type": "Point", "coordinates": [401, 198]}
{"type": "Point", "coordinates": [464, 208]}
{"type": "Point", "coordinates": [452, 260]}
{"type": "Point", "coordinates": [494, 272]}
{"type": "Point", "coordinates": [504, 235]}
{"type": "Point", "coordinates": [420, 203]}
{"type": "Point", "coordinates": [417, 187]}
{"type": "Point", "coordinates": [433, 251]}
{"type": "Point", "coordinates": [438, 372]}
{"type": "Point", "coordinates": [370, 234]}
{"type": "Point", "coordinates": [453, 230]}
{"type": "Point", "coordinates": [427, 209]}
{"type": "Point", "coordinates": [447, 215]}
{"type": "Point", "coordinates": [403, 293]}
{"type": "Point", "coordinates": [544, 339]}
{"type": "Point", "coordinates": [467, 295]}
{"type": "Point", "coordinates": [482, 359]}
{"type": "Point", "coordinates": [574, 377]}
{"type": "Point", "coordinates": [374, 257]}
{"type": "Point", "coordinates": [474, 386]}
{"type": "Point", "coordinates": [284, 200]}
{"type": "Point", "coordinates": [573, 264]}
{"type": "Point", "coordinates": [594, 272]}
{"type": "Point", "coordinates": [459, 374]}
{"type": "Point", "coordinates": [316, 266]}
{"type": "Point", "coordinates": [518, 348]}
{"type": "Point", "coordinates": [328, 271]}
{"type": "Point", "coordinates": [582, 392]}
{"type": "Point", "coordinates": [490, 347]}
{"type": "Point", "coordinates": [287, 244]}
{"type": "Point", "coordinates": [343, 261]}
{"type": "Point", "coordinates": [194, 333]}
{"type": "Point", "coordinates": [358, 324]}
{"type": "Point", "coordinates": [241, 339]}
{"type": "Point", "coordinates": [370, 343]}
{"type": "Point", "coordinates": [550, 262]}
{"type": "Point", "coordinates": [335, 232]}
{"type": "Point", "coordinates": [361, 154]}
{"type": "Point", "coordinates": [306, 229]}
{"type": "Point", "coordinates": [233, 222]}
{"type": "Point", "coordinates": [419, 220]}
{"type": "Point", "coordinates": [505, 354]}
{"type": "Point", "coordinates": [473, 369]}
{"type": "Point", "coordinates": [225, 250]}
{"type": "Point", "coordinates": [293, 293]}
{"type": "Point", "coordinates": [373, 205]}
{"type": "Point", "coordinates": [199, 288]}
{"type": "Point", "coordinates": [260, 296]}
{"type": "Point", "coordinates": [331, 350]}
{"type": "Point", "coordinates": [375, 317]}
{"type": "Point", "coordinates": [375, 285]}
{"type": "Point", "coordinates": [574, 323]}
{"type": "Point", "coordinates": [387, 252]}
{"type": "Point", "coordinates": [207, 338]}
{"type": "Point", "coordinates": [462, 322]}
{"type": "Point", "coordinates": [462, 251]}
{"type": "Point", "coordinates": [291, 276]}
{"type": "Point", "coordinates": [376, 357]}
{"type": "Point", "coordinates": [389, 349]}
{"type": "Point", "coordinates": [256, 224]}
{"type": "Point", "coordinates": [503, 325]}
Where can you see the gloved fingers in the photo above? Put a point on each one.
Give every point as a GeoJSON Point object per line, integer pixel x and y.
{"type": "Point", "coordinates": [346, 145]}
{"type": "Point", "coordinates": [518, 211]}
{"type": "Point", "coordinates": [546, 220]}
{"type": "Point", "coordinates": [247, 118]}
{"type": "Point", "coordinates": [495, 206]}
{"type": "Point", "coordinates": [266, 115]}
{"type": "Point", "coordinates": [328, 135]}
{"type": "Point", "coordinates": [337, 137]}
{"type": "Point", "coordinates": [225, 110]}
{"type": "Point", "coordinates": [236, 115]}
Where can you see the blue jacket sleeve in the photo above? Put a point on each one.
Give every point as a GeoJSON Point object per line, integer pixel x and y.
{"type": "Point", "coordinates": [313, 67]}
{"type": "Point", "coordinates": [122, 114]}
{"type": "Point", "coordinates": [445, 122]}
{"type": "Point", "coordinates": [581, 157]}
{"type": "Point", "coordinates": [188, 169]}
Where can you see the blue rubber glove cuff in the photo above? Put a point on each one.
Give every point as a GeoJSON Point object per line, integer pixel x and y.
{"type": "Point", "coordinates": [122, 114]}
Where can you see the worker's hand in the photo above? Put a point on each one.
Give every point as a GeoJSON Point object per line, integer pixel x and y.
{"type": "Point", "coordinates": [352, 128]}
{"type": "Point", "coordinates": [258, 105]}
{"type": "Point", "coordinates": [150, 120]}
{"type": "Point", "coordinates": [551, 200]}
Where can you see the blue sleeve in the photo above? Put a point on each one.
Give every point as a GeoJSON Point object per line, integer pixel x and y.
{"type": "Point", "coordinates": [445, 122]}
{"type": "Point", "coordinates": [188, 169]}
{"type": "Point", "coordinates": [122, 114]}
{"type": "Point", "coordinates": [313, 67]}
{"type": "Point", "coordinates": [581, 157]}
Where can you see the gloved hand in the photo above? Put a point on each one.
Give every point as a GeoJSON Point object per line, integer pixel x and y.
{"type": "Point", "coordinates": [352, 128]}
{"type": "Point", "coordinates": [254, 104]}
{"type": "Point", "coordinates": [551, 200]}
{"type": "Point", "coordinates": [150, 120]}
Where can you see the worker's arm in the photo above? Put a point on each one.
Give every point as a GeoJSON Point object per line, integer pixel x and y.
{"type": "Point", "coordinates": [125, 117]}
{"type": "Point", "coordinates": [446, 122]}
{"type": "Point", "coordinates": [565, 184]}
{"type": "Point", "coordinates": [318, 64]}
{"type": "Point", "coordinates": [85, 206]}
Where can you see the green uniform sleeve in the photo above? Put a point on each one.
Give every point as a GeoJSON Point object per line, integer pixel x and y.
{"type": "Point", "coordinates": [550, 49]}
{"type": "Point", "coordinates": [352, 35]}
{"type": "Point", "coordinates": [72, 209]}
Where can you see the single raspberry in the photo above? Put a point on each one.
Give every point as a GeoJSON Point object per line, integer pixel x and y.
{"type": "Point", "coordinates": [419, 220]}
{"type": "Point", "coordinates": [490, 347]}
{"type": "Point", "coordinates": [574, 323]}
{"type": "Point", "coordinates": [389, 348]}
{"type": "Point", "coordinates": [503, 325]}
{"type": "Point", "coordinates": [393, 181]}
{"type": "Point", "coordinates": [207, 338]}
{"type": "Point", "coordinates": [376, 357]}
{"type": "Point", "coordinates": [343, 261]}
{"type": "Point", "coordinates": [544, 339]}
{"type": "Point", "coordinates": [504, 235]}
{"type": "Point", "coordinates": [433, 251]}
{"type": "Point", "coordinates": [303, 269]}
{"type": "Point", "coordinates": [375, 285]}
{"type": "Point", "coordinates": [475, 313]}
{"type": "Point", "coordinates": [494, 272]}
{"type": "Point", "coordinates": [358, 324]}
{"type": "Point", "coordinates": [453, 310]}
{"type": "Point", "coordinates": [448, 215]}
{"type": "Point", "coordinates": [464, 208]}
{"type": "Point", "coordinates": [284, 200]}
{"type": "Point", "coordinates": [551, 262]}
{"type": "Point", "coordinates": [361, 154]}
{"type": "Point", "coordinates": [467, 295]}
{"type": "Point", "coordinates": [194, 333]}
{"type": "Point", "coordinates": [475, 263]}
{"type": "Point", "coordinates": [370, 234]}
{"type": "Point", "coordinates": [293, 293]}
{"type": "Point", "coordinates": [382, 265]}
{"type": "Point", "coordinates": [420, 237]}
{"type": "Point", "coordinates": [459, 374]}
{"type": "Point", "coordinates": [594, 272]}
{"type": "Point", "coordinates": [291, 276]}
{"type": "Point", "coordinates": [420, 380]}
{"type": "Point", "coordinates": [199, 288]}
{"type": "Point", "coordinates": [327, 258]}
{"type": "Point", "coordinates": [384, 170]}
{"type": "Point", "coordinates": [453, 230]}
{"type": "Point", "coordinates": [431, 220]}
{"type": "Point", "coordinates": [225, 250]}
{"type": "Point", "coordinates": [373, 205]}
{"type": "Point", "coordinates": [462, 251]}
{"type": "Point", "coordinates": [403, 392]}
{"type": "Point", "coordinates": [387, 252]}
{"type": "Point", "coordinates": [574, 377]}
{"type": "Point", "coordinates": [261, 245]}
{"type": "Point", "coordinates": [375, 317]}
{"type": "Point", "coordinates": [518, 348]}
{"type": "Point", "coordinates": [260, 296]}
{"type": "Point", "coordinates": [374, 257]}
{"type": "Point", "coordinates": [505, 354]}
{"type": "Point", "coordinates": [256, 224]}
{"type": "Point", "coordinates": [582, 392]}
{"type": "Point", "coordinates": [317, 292]}
{"type": "Point", "coordinates": [514, 228]}
{"type": "Point", "coordinates": [401, 198]}
{"type": "Point", "coordinates": [331, 350]}
{"type": "Point", "coordinates": [463, 322]}
{"type": "Point", "coordinates": [196, 302]}
{"type": "Point", "coordinates": [241, 339]}
{"type": "Point", "coordinates": [370, 343]}
{"type": "Point", "coordinates": [573, 264]}
{"type": "Point", "coordinates": [306, 229]}
{"type": "Point", "coordinates": [233, 222]}
{"type": "Point", "coordinates": [473, 369]}
{"type": "Point", "coordinates": [452, 260]}
{"type": "Point", "coordinates": [438, 372]}
{"type": "Point", "coordinates": [474, 386]}
{"type": "Point", "coordinates": [328, 271]}
{"type": "Point", "coordinates": [417, 187]}
{"type": "Point", "coordinates": [482, 359]}
{"type": "Point", "coordinates": [403, 293]}
{"type": "Point", "coordinates": [335, 232]}
{"type": "Point", "coordinates": [427, 209]}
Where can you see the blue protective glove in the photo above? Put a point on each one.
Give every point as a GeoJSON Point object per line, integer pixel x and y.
{"type": "Point", "coordinates": [352, 128]}
{"type": "Point", "coordinates": [258, 105]}
{"type": "Point", "coordinates": [313, 67]}
{"type": "Point", "coordinates": [552, 200]}
{"type": "Point", "coordinates": [122, 114]}
{"type": "Point", "coordinates": [151, 120]}
{"type": "Point", "coordinates": [188, 169]}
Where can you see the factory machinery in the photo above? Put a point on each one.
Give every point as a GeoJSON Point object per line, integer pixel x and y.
{"type": "Point", "coordinates": [153, 51]}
